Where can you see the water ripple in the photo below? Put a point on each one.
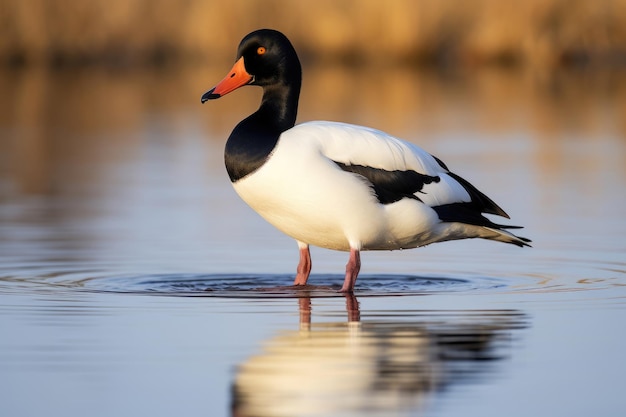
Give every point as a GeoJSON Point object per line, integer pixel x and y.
{"type": "Point", "coordinates": [251, 285]}
{"type": "Point", "coordinates": [593, 280]}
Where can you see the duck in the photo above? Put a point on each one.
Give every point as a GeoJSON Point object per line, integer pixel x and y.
{"type": "Point", "coordinates": [337, 185]}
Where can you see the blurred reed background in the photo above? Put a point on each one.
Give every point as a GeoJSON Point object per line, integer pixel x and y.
{"type": "Point", "coordinates": [544, 33]}
{"type": "Point", "coordinates": [87, 84]}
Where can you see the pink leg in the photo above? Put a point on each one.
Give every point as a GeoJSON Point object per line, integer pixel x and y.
{"type": "Point", "coordinates": [304, 266]}
{"type": "Point", "coordinates": [352, 271]}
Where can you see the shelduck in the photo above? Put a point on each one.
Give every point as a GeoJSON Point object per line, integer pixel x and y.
{"type": "Point", "coordinates": [336, 185]}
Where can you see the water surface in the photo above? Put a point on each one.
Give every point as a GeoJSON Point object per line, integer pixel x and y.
{"type": "Point", "coordinates": [133, 281]}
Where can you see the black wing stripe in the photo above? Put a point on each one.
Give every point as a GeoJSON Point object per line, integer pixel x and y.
{"type": "Point", "coordinates": [391, 186]}
{"type": "Point", "coordinates": [466, 213]}
{"type": "Point", "coordinates": [481, 203]}
{"type": "Point", "coordinates": [441, 163]}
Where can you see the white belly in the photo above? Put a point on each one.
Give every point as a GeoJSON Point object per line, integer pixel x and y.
{"type": "Point", "coordinates": [307, 197]}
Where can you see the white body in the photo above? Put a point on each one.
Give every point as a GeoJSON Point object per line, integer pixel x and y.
{"type": "Point", "coordinates": [303, 193]}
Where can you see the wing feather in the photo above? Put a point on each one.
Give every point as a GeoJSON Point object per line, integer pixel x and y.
{"type": "Point", "coordinates": [395, 169]}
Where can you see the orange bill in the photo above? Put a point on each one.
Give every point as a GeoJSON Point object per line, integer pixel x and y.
{"type": "Point", "coordinates": [237, 77]}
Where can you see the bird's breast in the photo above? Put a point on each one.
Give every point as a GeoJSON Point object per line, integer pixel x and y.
{"type": "Point", "coordinates": [308, 197]}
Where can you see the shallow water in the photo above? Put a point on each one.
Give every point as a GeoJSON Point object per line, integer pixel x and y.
{"type": "Point", "coordinates": [133, 281]}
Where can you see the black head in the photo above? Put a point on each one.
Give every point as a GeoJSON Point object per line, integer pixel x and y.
{"type": "Point", "coordinates": [265, 58]}
{"type": "Point", "coordinates": [269, 57]}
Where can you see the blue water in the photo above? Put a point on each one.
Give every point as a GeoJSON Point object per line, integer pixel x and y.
{"type": "Point", "coordinates": [133, 281]}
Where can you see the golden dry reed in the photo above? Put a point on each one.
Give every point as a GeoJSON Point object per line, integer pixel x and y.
{"type": "Point", "coordinates": [543, 33]}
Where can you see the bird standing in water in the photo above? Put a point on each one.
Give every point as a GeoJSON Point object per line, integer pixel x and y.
{"type": "Point", "coordinates": [335, 185]}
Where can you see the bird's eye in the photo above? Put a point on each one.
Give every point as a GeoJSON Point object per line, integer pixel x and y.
{"type": "Point", "coordinates": [260, 50]}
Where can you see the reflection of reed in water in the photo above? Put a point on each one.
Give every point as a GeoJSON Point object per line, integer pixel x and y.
{"type": "Point", "coordinates": [65, 127]}
{"type": "Point", "coordinates": [370, 368]}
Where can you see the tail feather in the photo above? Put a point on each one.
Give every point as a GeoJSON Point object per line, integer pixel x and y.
{"type": "Point", "coordinates": [471, 214]}
{"type": "Point", "coordinates": [505, 236]}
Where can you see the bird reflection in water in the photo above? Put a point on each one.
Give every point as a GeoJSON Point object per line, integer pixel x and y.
{"type": "Point", "coordinates": [394, 361]}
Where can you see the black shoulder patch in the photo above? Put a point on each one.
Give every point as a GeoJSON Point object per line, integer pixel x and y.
{"type": "Point", "coordinates": [391, 186]}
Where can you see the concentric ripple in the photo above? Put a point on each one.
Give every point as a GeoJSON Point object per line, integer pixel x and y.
{"type": "Point", "coordinates": [270, 285]}
{"type": "Point", "coordinates": [251, 285]}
